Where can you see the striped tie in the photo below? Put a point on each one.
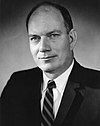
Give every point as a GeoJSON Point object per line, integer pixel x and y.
{"type": "Point", "coordinates": [47, 112]}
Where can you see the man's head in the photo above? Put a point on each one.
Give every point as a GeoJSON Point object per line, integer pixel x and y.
{"type": "Point", "coordinates": [52, 37]}
{"type": "Point", "coordinates": [64, 12]}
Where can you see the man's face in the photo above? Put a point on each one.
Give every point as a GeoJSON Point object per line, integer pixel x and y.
{"type": "Point", "coordinates": [49, 41]}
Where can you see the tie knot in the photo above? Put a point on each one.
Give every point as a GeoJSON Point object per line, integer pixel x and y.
{"type": "Point", "coordinates": [51, 84]}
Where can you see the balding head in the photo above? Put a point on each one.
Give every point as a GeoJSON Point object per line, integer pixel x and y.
{"type": "Point", "coordinates": [47, 7]}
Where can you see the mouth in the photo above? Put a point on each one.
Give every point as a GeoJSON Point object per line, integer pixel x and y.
{"type": "Point", "coordinates": [47, 57]}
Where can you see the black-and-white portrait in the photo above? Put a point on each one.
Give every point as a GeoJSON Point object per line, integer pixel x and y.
{"type": "Point", "coordinates": [49, 63]}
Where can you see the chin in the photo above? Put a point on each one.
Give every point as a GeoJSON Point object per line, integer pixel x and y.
{"type": "Point", "coordinates": [46, 68]}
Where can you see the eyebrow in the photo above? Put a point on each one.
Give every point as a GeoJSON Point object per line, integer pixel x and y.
{"type": "Point", "coordinates": [51, 32]}
{"type": "Point", "coordinates": [31, 35]}
{"type": "Point", "coordinates": [58, 31]}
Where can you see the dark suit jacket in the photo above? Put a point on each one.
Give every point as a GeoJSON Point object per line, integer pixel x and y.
{"type": "Point", "coordinates": [80, 105]}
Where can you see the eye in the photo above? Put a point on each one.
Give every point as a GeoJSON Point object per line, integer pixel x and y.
{"type": "Point", "coordinates": [35, 38]}
{"type": "Point", "coordinates": [53, 35]}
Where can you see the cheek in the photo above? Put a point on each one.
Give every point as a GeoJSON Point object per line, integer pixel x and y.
{"type": "Point", "coordinates": [62, 48]}
{"type": "Point", "coordinates": [63, 53]}
{"type": "Point", "coordinates": [33, 50]}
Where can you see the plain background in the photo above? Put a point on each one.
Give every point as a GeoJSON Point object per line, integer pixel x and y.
{"type": "Point", "coordinates": [14, 47]}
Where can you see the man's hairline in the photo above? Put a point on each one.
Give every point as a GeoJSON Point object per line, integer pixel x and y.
{"type": "Point", "coordinates": [37, 10]}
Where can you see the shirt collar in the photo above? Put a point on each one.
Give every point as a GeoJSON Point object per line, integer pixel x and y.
{"type": "Point", "coordinates": [60, 80]}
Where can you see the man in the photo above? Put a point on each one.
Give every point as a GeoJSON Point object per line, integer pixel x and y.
{"type": "Point", "coordinates": [73, 98]}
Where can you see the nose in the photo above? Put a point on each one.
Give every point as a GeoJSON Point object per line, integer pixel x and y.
{"type": "Point", "coordinates": [44, 44]}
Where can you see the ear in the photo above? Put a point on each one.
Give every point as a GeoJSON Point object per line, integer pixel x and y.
{"type": "Point", "coordinates": [72, 38]}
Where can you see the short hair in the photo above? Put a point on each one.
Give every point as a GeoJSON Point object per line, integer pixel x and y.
{"type": "Point", "coordinates": [65, 14]}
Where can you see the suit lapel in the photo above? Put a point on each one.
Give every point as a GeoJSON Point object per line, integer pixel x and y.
{"type": "Point", "coordinates": [71, 101]}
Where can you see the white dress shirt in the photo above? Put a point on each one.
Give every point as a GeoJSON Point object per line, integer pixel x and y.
{"type": "Point", "coordinates": [61, 82]}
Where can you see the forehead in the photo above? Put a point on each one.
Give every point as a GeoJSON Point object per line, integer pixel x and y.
{"type": "Point", "coordinates": [45, 18]}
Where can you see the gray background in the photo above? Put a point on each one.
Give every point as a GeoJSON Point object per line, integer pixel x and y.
{"type": "Point", "coordinates": [14, 47]}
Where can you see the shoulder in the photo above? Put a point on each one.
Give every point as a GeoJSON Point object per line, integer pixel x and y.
{"type": "Point", "coordinates": [25, 76]}
{"type": "Point", "coordinates": [27, 73]}
{"type": "Point", "coordinates": [91, 77]}
{"type": "Point", "coordinates": [86, 76]}
{"type": "Point", "coordinates": [22, 82]}
{"type": "Point", "coordinates": [89, 80]}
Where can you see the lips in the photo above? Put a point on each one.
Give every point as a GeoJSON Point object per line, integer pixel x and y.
{"type": "Point", "coordinates": [47, 57]}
